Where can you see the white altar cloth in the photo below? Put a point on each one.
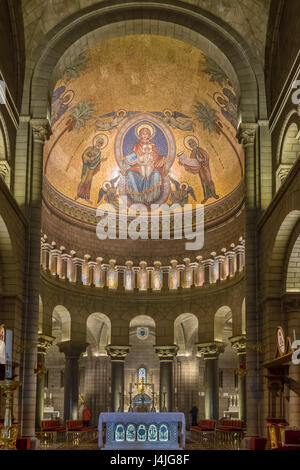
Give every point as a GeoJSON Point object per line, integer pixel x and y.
{"type": "Point", "coordinates": [142, 418]}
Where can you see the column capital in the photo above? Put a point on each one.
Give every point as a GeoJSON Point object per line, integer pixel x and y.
{"type": "Point", "coordinates": [246, 134]}
{"type": "Point", "coordinates": [41, 130]}
{"type": "Point", "coordinates": [291, 302]}
{"type": "Point", "coordinates": [72, 349]}
{"type": "Point", "coordinates": [238, 344]}
{"type": "Point", "coordinates": [117, 353]}
{"type": "Point", "coordinates": [166, 353]}
{"type": "Point", "coordinates": [210, 350]}
{"type": "Point", "coordinates": [44, 342]}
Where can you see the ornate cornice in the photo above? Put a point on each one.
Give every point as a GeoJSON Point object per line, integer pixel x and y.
{"type": "Point", "coordinates": [210, 350]}
{"type": "Point", "coordinates": [41, 131]}
{"type": "Point", "coordinates": [44, 342]}
{"type": "Point", "coordinates": [117, 353]}
{"type": "Point", "coordinates": [238, 344]}
{"type": "Point", "coordinates": [72, 349]}
{"type": "Point", "coordinates": [291, 302]}
{"type": "Point", "coordinates": [246, 134]}
{"type": "Point", "coordinates": [166, 353]}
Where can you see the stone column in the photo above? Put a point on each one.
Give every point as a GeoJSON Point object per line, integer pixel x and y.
{"type": "Point", "coordinates": [238, 344]}
{"type": "Point", "coordinates": [166, 355]}
{"type": "Point", "coordinates": [210, 352]}
{"type": "Point", "coordinates": [292, 315]}
{"type": "Point", "coordinates": [72, 351]}
{"type": "Point", "coordinates": [44, 342]}
{"type": "Point", "coordinates": [41, 132]}
{"type": "Point", "coordinates": [247, 137]}
{"type": "Point", "coordinates": [118, 355]}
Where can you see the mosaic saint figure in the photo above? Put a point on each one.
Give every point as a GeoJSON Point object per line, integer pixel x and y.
{"type": "Point", "coordinates": [60, 103]}
{"type": "Point", "coordinates": [117, 118]}
{"type": "Point", "coordinates": [91, 162]}
{"type": "Point", "coordinates": [144, 168]}
{"type": "Point", "coordinates": [198, 163]}
{"type": "Point", "coordinates": [229, 106]}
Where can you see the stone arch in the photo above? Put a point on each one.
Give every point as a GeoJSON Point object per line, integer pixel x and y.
{"type": "Point", "coordinates": [291, 118]}
{"type": "Point", "coordinates": [152, 18]}
{"type": "Point", "coordinates": [276, 268]}
{"type": "Point", "coordinates": [142, 321]}
{"type": "Point", "coordinates": [289, 148]}
{"type": "Point", "coordinates": [8, 264]}
{"type": "Point", "coordinates": [291, 270]}
{"type": "Point", "coordinates": [186, 333]}
{"type": "Point", "coordinates": [222, 316]}
{"type": "Point", "coordinates": [98, 334]}
{"type": "Point", "coordinates": [61, 318]}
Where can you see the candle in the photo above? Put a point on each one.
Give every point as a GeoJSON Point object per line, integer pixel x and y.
{"type": "Point", "coordinates": [130, 387]}
{"type": "Point", "coordinates": [45, 395]}
{"type": "Point", "coordinates": [8, 354]}
{"type": "Point", "coordinates": [152, 388]}
{"type": "Point", "coordinates": [164, 390]}
{"type": "Point", "coordinates": [50, 396]}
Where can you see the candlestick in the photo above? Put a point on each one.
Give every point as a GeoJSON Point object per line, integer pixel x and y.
{"type": "Point", "coordinates": [9, 432]}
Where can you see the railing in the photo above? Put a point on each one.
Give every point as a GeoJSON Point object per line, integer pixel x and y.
{"type": "Point", "coordinates": [70, 268]}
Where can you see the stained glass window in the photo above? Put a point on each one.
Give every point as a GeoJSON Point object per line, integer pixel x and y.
{"type": "Point", "coordinates": [142, 376]}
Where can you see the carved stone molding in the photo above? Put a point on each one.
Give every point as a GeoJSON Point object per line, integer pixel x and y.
{"type": "Point", "coordinates": [5, 171]}
{"type": "Point", "coordinates": [291, 302]}
{"type": "Point", "coordinates": [238, 344]}
{"type": "Point", "coordinates": [117, 353]}
{"type": "Point", "coordinates": [210, 350]}
{"type": "Point", "coordinates": [44, 342]}
{"type": "Point", "coordinates": [72, 349]}
{"type": "Point", "coordinates": [246, 134]}
{"type": "Point", "coordinates": [166, 353]}
{"type": "Point", "coordinates": [41, 132]}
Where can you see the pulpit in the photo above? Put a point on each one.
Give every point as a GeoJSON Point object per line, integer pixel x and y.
{"type": "Point", "coordinates": [141, 431]}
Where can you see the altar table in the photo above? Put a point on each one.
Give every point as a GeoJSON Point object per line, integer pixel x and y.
{"type": "Point", "coordinates": [135, 431]}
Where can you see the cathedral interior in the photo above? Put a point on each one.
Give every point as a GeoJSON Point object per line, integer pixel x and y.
{"type": "Point", "coordinates": [150, 218]}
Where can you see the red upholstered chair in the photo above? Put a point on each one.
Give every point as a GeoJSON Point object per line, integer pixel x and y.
{"type": "Point", "coordinates": [23, 443]}
{"type": "Point", "coordinates": [258, 443]}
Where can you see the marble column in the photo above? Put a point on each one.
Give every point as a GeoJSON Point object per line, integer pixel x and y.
{"type": "Point", "coordinates": [238, 344]}
{"type": "Point", "coordinates": [166, 355]}
{"type": "Point", "coordinates": [210, 352]}
{"type": "Point", "coordinates": [44, 342]}
{"type": "Point", "coordinates": [72, 351]}
{"type": "Point", "coordinates": [247, 137]}
{"type": "Point", "coordinates": [118, 355]}
{"type": "Point", "coordinates": [292, 315]}
{"type": "Point", "coordinates": [40, 132]}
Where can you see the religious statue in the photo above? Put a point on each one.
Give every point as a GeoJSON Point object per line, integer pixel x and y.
{"type": "Point", "coordinates": [144, 168]}
{"type": "Point", "coordinates": [91, 162]}
{"type": "Point", "coordinates": [198, 163]}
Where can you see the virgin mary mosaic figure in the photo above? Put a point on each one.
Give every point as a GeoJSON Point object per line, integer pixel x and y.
{"type": "Point", "coordinates": [144, 168]}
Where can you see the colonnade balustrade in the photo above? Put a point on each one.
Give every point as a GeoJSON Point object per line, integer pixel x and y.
{"type": "Point", "coordinates": [68, 267]}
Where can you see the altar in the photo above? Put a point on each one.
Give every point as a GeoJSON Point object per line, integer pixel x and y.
{"type": "Point", "coordinates": [141, 431]}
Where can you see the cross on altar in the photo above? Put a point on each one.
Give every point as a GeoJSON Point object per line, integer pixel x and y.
{"type": "Point", "coordinates": [141, 385]}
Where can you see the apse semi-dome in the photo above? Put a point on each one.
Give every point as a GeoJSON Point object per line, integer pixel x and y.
{"type": "Point", "coordinates": [146, 120]}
